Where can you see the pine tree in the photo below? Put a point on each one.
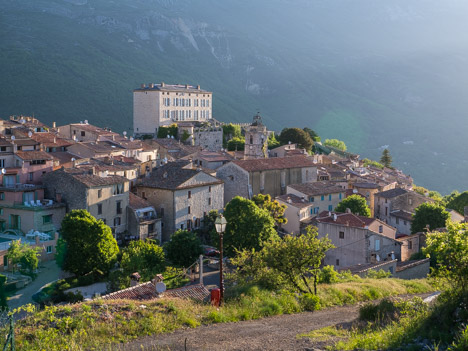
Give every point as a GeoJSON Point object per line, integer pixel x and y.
{"type": "Point", "coordinates": [386, 159]}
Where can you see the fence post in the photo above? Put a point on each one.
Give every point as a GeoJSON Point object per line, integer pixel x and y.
{"type": "Point", "coordinates": [200, 270]}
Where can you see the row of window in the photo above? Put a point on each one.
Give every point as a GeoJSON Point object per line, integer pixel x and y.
{"type": "Point", "coordinates": [117, 211]}
{"type": "Point", "coordinates": [15, 221]}
{"type": "Point", "coordinates": [182, 115]}
{"type": "Point", "coordinates": [322, 198]}
{"type": "Point", "coordinates": [186, 102]}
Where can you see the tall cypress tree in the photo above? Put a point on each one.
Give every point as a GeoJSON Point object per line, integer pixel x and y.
{"type": "Point", "coordinates": [386, 159]}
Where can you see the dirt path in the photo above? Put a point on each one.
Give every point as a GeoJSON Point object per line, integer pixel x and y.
{"type": "Point", "coordinates": [273, 333]}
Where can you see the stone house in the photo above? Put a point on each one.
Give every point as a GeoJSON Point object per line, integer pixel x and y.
{"type": "Point", "coordinates": [209, 159]}
{"type": "Point", "coordinates": [357, 239]}
{"type": "Point", "coordinates": [369, 189]}
{"type": "Point", "coordinates": [105, 198]}
{"type": "Point", "coordinates": [287, 150]}
{"type": "Point", "coordinates": [271, 176]}
{"type": "Point", "coordinates": [85, 132]}
{"type": "Point", "coordinates": [96, 149]}
{"type": "Point", "coordinates": [171, 149]}
{"type": "Point", "coordinates": [396, 205]}
{"type": "Point", "coordinates": [298, 212]}
{"type": "Point", "coordinates": [411, 244]}
{"type": "Point", "coordinates": [143, 222]}
{"type": "Point", "coordinates": [30, 166]}
{"type": "Point", "coordinates": [182, 194]}
{"type": "Point", "coordinates": [323, 196]}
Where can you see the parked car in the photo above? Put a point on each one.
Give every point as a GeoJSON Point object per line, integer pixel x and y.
{"type": "Point", "coordinates": [210, 251]}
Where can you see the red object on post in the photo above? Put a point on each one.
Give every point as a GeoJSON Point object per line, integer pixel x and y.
{"type": "Point", "coordinates": [215, 297]}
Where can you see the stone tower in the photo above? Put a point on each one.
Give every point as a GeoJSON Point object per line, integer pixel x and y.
{"type": "Point", "coordinates": [256, 140]}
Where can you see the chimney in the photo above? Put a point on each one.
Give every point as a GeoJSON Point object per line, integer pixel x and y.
{"type": "Point", "coordinates": [134, 279]}
{"type": "Point", "coordinates": [143, 86]}
{"type": "Point", "coordinates": [348, 210]}
{"type": "Point", "coordinates": [198, 87]}
{"type": "Point", "coordinates": [334, 217]}
{"type": "Point", "coordinates": [186, 86]}
{"type": "Point", "coordinates": [54, 125]}
{"type": "Point", "coordinates": [163, 84]}
{"type": "Point", "coordinates": [151, 85]}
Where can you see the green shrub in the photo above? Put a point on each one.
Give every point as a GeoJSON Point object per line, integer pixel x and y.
{"type": "Point", "coordinates": [72, 297]}
{"type": "Point", "coordinates": [384, 311]}
{"type": "Point", "coordinates": [328, 275]}
{"type": "Point", "coordinates": [309, 302]}
{"type": "Point", "coordinates": [381, 274]}
{"type": "Point", "coordinates": [461, 344]}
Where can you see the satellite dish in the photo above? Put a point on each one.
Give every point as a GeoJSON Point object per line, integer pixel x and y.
{"type": "Point", "coordinates": [13, 137]}
{"type": "Point", "coordinates": [3, 170]}
{"type": "Point", "coordinates": [73, 159]}
{"type": "Point", "coordinates": [160, 287]}
{"type": "Point", "coordinates": [131, 138]}
{"type": "Point", "coordinates": [29, 134]}
{"type": "Point", "coordinates": [124, 133]}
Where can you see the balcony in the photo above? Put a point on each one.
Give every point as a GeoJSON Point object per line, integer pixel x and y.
{"type": "Point", "coordinates": [20, 187]}
{"type": "Point", "coordinates": [38, 205]}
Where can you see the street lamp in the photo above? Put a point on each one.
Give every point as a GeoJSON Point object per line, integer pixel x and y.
{"type": "Point", "coordinates": [220, 224]}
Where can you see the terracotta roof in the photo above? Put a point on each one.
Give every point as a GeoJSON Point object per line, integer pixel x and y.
{"type": "Point", "coordinates": [296, 201]}
{"type": "Point", "coordinates": [275, 163]}
{"type": "Point", "coordinates": [4, 142]}
{"type": "Point", "coordinates": [366, 185]}
{"type": "Point", "coordinates": [25, 142]}
{"type": "Point", "coordinates": [90, 180]}
{"type": "Point", "coordinates": [101, 146]}
{"type": "Point", "coordinates": [389, 194]}
{"type": "Point", "coordinates": [64, 157]}
{"type": "Point", "coordinates": [174, 148]}
{"type": "Point", "coordinates": [317, 188]}
{"type": "Point", "coordinates": [91, 128]}
{"type": "Point", "coordinates": [347, 219]}
{"type": "Point", "coordinates": [172, 175]}
{"type": "Point", "coordinates": [137, 202]}
{"type": "Point", "coordinates": [51, 140]}
{"type": "Point", "coordinates": [33, 155]}
{"type": "Point", "coordinates": [147, 291]}
{"type": "Point", "coordinates": [401, 266]}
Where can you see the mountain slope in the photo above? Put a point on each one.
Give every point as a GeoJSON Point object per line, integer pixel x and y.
{"type": "Point", "coordinates": [371, 73]}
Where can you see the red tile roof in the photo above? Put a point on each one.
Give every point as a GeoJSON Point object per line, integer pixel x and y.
{"type": "Point", "coordinates": [317, 188]}
{"type": "Point", "coordinates": [33, 155]}
{"type": "Point", "coordinates": [275, 163]}
{"type": "Point", "coordinates": [137, 202]}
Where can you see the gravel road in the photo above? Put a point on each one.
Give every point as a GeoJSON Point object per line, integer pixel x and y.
{"type": "Point", "coordinates": [273, 333]}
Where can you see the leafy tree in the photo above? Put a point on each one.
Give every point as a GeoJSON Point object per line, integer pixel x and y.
{"type": "Point", "coordinates": [207, 231]}
{"type": "Point", "coordinates": [144, 257]}
{"type": "Point", "coordinates": [429, 214]}
{"type": "Point", "coordinates": [184, 248]}
{"type": "Point", "coordinates": [296, 258]}
{"type": "Point", "coordinates": [296, 136]}
{"type": "Point", "coordinates": [458, 202]}
{"type": "Point", "coordinates": [90, 246]}
{"type": "Point", "coordinates": [356, 203]}
{"type": "Point", "coordinates": [272, 142]}
{"type": "Point", "coordinates": [366, 162]}
{"type": "Point", "coordinates": [185, 136]}
{"type": "Point", "coordinates": [451, 196]}
{"type": "Point", "coordinates": [386, 159]}
{"type": "Point", "coordinates": [248, 226]}
{"type": "Point", "coordinates": [337, 144]}
{"type": "Point", "coordinates": [275, 209]}
{"type": "Point", "coordinates": [236, 143]}
{"type": "Point", "coordinates": [429, 193]}
{"type": "Point", "coordinates": [313, 135]}
{"type": "Point", "coordinates": [449, 254]}
{"type": "Point", "coordinates": [172, 130]}
{"type": "Point", "coordinates": [231, 131]}
{"type": "Point", "coordinates": [23, 254]}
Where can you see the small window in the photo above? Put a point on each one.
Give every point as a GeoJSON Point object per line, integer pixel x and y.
{"type": "Point", "coordinates": [380, 228]}
{"type": "Point", "coordinates": [143, 195]}
{"type": "Point", "coordinates": [398, 221]}
{"type": "Point", "coordinates": [182, 226]}
{"type": "Point", "coordinates": [189, 194]}
{"type": "Point", "coordinates": [116, 221]}
{"type": "Point", "coordinates": [330, 207]}
{"type": "Point", "coordinates": [83, 133]}
{"type": "Point", "coordinates": [2, 196]}
{"type": "Point", "coordinates": [209, 201]}
{"type": "Point", "coordinates": [329, 197]}
{"type": "Point", "coordinates": [99, 193]}
{"type": "Point", "coordinates": [151, 228]}
{"type": "Point", "coordinates": [377, 244]}
{"type": "Point", "coordinates": [209, 189]}
{"type": "Point", "coordinates": [31, 176]}
{"type": "Point", "coordinates": [322, 198]}
{"type": "Point", "coordinates": [311, 199]}
{"type": "Point", "coordinates": [337, 262]}
{"type": "Point", "coordinates": [340, 196]}
{"type": "Point", "coordinates": [341, 235]}
{"type": "Point", "coordinates": [49, 249]}
{"type": "Point", "coordinates": [99, 209]}
{"type": "Point", "coordinates": [47, 219]}
{"type": "Point", "coordinates": [119, 207]}
{"type": "Point", "coordinates": [231, 178]}
{"type": "Point", "coordinates": [5, 261]}
{"type": "Point", "coordinates": [188, 210]}
{"type": "Point", "coordinates": [410, 201]}
{"type": "Point", "coordinates": [410, 245]}
{"type": "Point", "coordinates": [161, 211]}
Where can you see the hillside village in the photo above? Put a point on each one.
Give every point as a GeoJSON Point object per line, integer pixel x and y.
{"type": "Point", "coordinates": [147, 187]}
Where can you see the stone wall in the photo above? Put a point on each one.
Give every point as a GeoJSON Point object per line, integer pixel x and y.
{"type": "Point", "coordinates": [418, 270]}
{"type": "Point", "coordinates": [72, 192]}
{"type": "Point", "coordinates": [210, 139]}
{"type": "Point", "coordinates": [236, 181]}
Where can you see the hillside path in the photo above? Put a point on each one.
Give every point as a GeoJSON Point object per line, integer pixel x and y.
{"type": "Point", "coordinates": [272, 333]}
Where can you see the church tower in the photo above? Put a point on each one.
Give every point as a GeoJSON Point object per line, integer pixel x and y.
{"type": "Point", "coordinates": [256, 140]}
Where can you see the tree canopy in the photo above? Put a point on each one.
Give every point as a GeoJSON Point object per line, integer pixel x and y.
{"type": "Point", "coordinates": [272, 141]}
{"type": "Point", "coordinates": [337, 144]}
{"type": "Point", "coordinates": [366, 162]}
{"type": "Point", "coordinates": [184, 248]}
{"type": "Point", "coordinates": [429, 214]}
{"type": "Point", "coordinates": [231, 131]}
{"type": "Point", "coordinates": [24, 254]}
{"type": "Point", "coordinates": [356, 203]}
{"type": "Point", "coordinates": [248, 226]}
{"type": "Point", "coordinates": [171, 130]}
{"type": "Point", "coordinates": [313, 135]}
{"type": "Point", "coordinates": [458, 202]}
{"type": "Point", "coordinates": [236, 143]}
{"type": "Point", "coordinates": [90, 246]}
{"type": "Point", "coordinates": [296, 136]}
{"type": "Point", "coordinates": [275, 209]}
{"type": "Point", "coordinates": [144, 257]}
{"type": "Point", "coordinates": [386, 159]}
{"type": "Point", "coordinates": [449, 254]}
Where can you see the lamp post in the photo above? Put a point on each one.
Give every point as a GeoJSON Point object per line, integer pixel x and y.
{"type": "Point", "coordinates": [220, 224]}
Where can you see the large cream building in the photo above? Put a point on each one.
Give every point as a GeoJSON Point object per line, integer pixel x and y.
{"type": "Point", "coordinates": [157, 105]}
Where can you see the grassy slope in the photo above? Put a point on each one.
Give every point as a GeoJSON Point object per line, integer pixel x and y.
{"type": "Point", "coordinates": [98, 324]}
